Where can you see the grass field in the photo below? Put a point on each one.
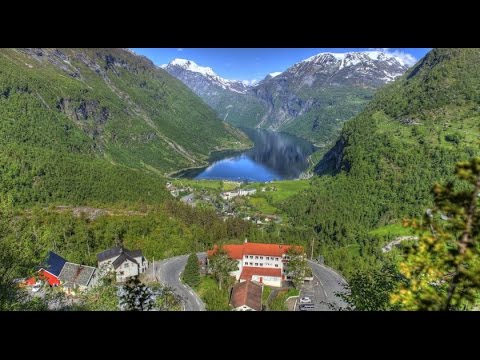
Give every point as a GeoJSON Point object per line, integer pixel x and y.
{"type": "Point", "coordinates": [214, 298]}
{"type": "Point", "coordinates": [391, 230]}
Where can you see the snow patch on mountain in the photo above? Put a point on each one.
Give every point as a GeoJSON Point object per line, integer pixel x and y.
{"type": "Point", "coordinates": [238, 86]}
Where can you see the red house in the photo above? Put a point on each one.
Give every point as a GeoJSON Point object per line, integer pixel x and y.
{"type": "Point", "coordinates": [50, 270]}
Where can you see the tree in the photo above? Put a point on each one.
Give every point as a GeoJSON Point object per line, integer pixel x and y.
{"type": "Point", "coordinates": [191, 274]}
{"type": "Point", "coordinates": [167, 299]}
{"type": "Point", "coordinates": [103, 296]}
{"type": "Point", "coordinates": [371, 290]}
{"type": "Point", "coordinates": [136, 296]}
{"type": "Point", "coordinates": [443, 269]}
{"type": "Point", "coordinates": [297, 266]}
{"type": "Point", "coordinates": [220, 265]}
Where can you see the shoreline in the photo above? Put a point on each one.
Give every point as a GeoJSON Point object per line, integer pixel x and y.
{"type": "Point", "coordinates": [213, 156]}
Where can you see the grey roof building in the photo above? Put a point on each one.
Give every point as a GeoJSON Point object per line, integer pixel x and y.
{"type": "Point", "coordinates": [124, 262]}
{"type": "Point", "coordinates": [76, 275]}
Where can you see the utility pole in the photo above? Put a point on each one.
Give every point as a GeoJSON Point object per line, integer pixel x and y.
{"type": "Point", "coordinates": [153, 267]}
{"type": "Point", "coordinates": [311, 255]}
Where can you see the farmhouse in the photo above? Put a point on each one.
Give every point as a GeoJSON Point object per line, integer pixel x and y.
{"type": "Point", "coordinates": [125, 263]}
{"type": "Point", "coordinates": [58, 271]}
{"type": "Point", "coordinates": [50, 270]}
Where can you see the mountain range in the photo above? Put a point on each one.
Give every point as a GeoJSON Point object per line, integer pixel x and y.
{"type": "Point", "coordinates": [310, 99]}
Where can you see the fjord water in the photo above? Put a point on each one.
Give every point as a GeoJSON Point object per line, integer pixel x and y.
{"type": "Point", "coordinates": [275, 156]}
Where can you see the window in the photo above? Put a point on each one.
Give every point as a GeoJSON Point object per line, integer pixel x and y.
{"type": "Point", "coordinates": [251, 256]}
{"type": "Point", "coordinates": [256, 264]}
{"type": "Point", "coordinates": [126, 264]}
{"type": "Point", "coordinates": [276, 265]}
{"type": "Point", "coordinates": [261, 257]}
{"type": "Point", "coordinates": [256, 257]}
{"type": "Point", "coordinates": [267, 258]}
{"type": "Point", "coordinates": [261, 264]}
{"type": "Point", "coordinates": [121, 273]}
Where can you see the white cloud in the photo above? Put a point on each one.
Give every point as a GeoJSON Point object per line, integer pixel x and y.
{"type": "Point", "coordinates": [402, 56]}
{"type": "Point", "coordinates": [179, 49]}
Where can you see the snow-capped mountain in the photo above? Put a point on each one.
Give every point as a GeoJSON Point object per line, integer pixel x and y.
{"type": "Point", "coordinates": [233, 100]}
{"type": "Point", "coordinates": [368, 68]}
{"type": "Point", "coordinates": [200, 78]}
{"type": "Point", "coordinates": [312, 98]}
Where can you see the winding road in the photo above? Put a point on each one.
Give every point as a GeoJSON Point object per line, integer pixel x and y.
{"type": "Point", "coordinates": [168, 272]}
{"type": "Point", "coordinates": [323, 288]}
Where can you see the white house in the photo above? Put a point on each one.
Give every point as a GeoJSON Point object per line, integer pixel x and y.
{"type": "Point", "coordinates": [227, 195]}
{"type": "Point", "coordinates": [265, 263]}
{"type": "Point", "coordinates": [125, 263]}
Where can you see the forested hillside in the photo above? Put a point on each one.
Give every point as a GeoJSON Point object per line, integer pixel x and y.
{"type": "Point", "coordinates": [388, 157]}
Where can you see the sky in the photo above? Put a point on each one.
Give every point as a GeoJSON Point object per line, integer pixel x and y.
{"type": "Point", "coordinates": [255, 64]}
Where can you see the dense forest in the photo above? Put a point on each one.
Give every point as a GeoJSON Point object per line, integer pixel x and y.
{"type": "Point", "coordinates": [389, 157]}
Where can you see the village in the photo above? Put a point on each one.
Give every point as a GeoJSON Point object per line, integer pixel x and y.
{"type": "Point", "coordinates": [240, 200]}
{"type": "Point", "coordinates": [258, 270]}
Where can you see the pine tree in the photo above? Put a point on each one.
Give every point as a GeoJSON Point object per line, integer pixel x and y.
{"type": "Point", "coordinates": [191, 274]}
{"type": "Point", "coordinates": [136, 296]}
{"type": "Point", "coordinates": [443, 269]}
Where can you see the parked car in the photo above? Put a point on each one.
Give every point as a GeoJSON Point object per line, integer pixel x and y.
{"type": "Point", "coordinates": [37, 286]}
{"type": "Point", "coordinates": [305, 300]}
{"type": "Point", "coordinates": [306, 307]}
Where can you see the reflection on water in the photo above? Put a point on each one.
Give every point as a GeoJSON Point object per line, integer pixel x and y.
{"type": "Point", "coordinates": [275, 156]}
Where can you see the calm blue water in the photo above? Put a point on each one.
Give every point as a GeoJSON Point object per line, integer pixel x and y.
{"type": "Point", "coordinates": [275, 156]}
{"type": "Point", "coordinates": [239, 167]}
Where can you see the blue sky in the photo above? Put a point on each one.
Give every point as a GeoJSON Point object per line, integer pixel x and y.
{"type": "Point", "coordinates": [255, 64]}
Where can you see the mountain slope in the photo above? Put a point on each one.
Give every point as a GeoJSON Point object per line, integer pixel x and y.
{"type": "Point", "coordinates": [83, 125]}
{"type": "Point", "coordinates": [314, 97]}
{"type": "Point", "coordinates": [231, 99]}
{"type": "Point", "coordinates": [389, 156]}
{"type": "Point", "coordinates": [120, 105]}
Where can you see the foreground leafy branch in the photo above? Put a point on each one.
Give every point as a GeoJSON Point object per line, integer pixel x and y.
{"type": "Point", "coordinates": [443, 269]}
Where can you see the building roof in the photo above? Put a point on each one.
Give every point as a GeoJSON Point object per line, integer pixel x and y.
{"type": "Point", "coordinates": [135, 253]}
{"type": "Point", "coordinates": [249, 271]}
{"type": "Point", "coordinates": [122, 258]}
{"type": "Point", "coordinates": [238, 251]}
{"type": "Point", "coordinates": [76, 274]}
{"type": "Point", "coordinates": [116, 251]}
{"type": "Point", "coordinates": [247, 293]}
{"type": "Point", "coordinates": [54, 263]}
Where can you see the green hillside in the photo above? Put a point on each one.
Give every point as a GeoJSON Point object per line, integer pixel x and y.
{"type": "Point", "coordinates": [109, 103]}
{"type": "Point", "coordinates": [334, 105]}
{"type": "Point", "coordinates": [98, 125]}
{"type": "Point", "coordinates": [388, 157]}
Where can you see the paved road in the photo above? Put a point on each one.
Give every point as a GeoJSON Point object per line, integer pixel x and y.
{"type": "Point", "coordinates": [168, 272]}
{"type": "Point", "coordinates": [323, 287]}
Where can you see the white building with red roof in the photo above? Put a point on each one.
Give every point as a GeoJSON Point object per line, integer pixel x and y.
{"type": "Point", "coordinates": [264, 263]}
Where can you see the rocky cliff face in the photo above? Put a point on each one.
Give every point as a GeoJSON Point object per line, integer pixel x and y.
{"type": "Point", "coordinates": [233, 100]}
{"type": "Point", "coordinates": [322, 81]}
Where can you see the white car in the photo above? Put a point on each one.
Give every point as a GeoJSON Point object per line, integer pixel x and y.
{"type": "Point", "coordinates": [305, 300]}
{"type": "Point", "coordinates": [37, 286]}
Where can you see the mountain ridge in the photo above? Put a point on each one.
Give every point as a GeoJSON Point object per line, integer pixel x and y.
{"type": "Point", "coordinates": [291, 101]}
